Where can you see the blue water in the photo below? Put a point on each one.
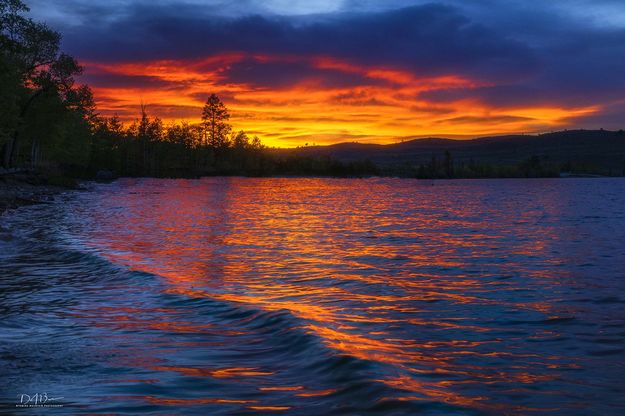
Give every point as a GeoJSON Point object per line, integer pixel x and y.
{"type": "Point", "coordinates": [317, 296]}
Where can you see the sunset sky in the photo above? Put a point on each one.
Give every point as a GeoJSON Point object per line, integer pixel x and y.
{"type": "Point", "coordinates": [306, 71]}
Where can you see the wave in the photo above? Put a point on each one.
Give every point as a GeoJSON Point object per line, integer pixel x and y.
{"type": "Point", "coordinates": [96, 309]}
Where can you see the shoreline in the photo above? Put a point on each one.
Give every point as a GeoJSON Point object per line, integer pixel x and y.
{"type": "Point", "coordinates": [23, 189]}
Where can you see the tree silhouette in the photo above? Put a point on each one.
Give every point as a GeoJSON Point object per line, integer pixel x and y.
{"type": "Point", "coordinates": [215, 118]}
{"type": "Point", "coordinates": [33, 71]}
{"type": "Point", "coordinates": [449, 164]}
{"type": "Point", "coordinates": [240, 141]}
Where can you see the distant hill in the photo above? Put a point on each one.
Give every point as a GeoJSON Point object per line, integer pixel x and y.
{"type": "Point", "coordinates": [591, 151]}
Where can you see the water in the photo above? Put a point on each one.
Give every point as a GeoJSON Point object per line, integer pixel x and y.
{"type": "Point", "coordinates": [318, 296]}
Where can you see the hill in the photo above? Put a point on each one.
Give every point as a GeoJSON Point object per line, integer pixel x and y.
{"type": "Point", "coordinates": [581, 151]}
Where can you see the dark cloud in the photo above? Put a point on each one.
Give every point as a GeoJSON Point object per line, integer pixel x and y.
{"type": "Point", "coordinates": [172, 111]}
{"type": "Point", "coordinates": [430, 39]}
{"type": "Point", "coordinates": [483, 119]}
{"type": "Point", "coordinates": [359, 98]}
{"type": "Point", "coordinates": [498, 96]}
{"type": "Point", "coordinates": [611, 117]}
{"type": "Point", "coordinates": [109, 80]}
{"type": "Point", "coordinates": [167, 111]}
{"type": "Point", "coordinates": [287, 74]}
{"type": "Point", "coordinates": [583, 68]}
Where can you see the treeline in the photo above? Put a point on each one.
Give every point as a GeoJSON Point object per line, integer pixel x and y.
{"type": "Point", "coordinates": [149, 148]}
{"type": "Point", "coordinates": [445, 167]}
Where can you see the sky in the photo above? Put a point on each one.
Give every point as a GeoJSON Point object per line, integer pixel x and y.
{"type": "Point", "coordinates": [326, 71]}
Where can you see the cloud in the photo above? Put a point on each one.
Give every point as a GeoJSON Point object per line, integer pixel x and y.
{"type": "Point", "coordinates": [484, 119]}
{"type": "Point", "coordinates": [109, 80]}
{"type": "Point", "coordinates": [285, 73]}
{"type": "Point", "coordinates": [611, 117]}
{"type": "Point", "coordinates": [430, 39]}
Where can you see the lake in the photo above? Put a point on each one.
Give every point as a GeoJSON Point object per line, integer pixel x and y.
{"type": "Point", "coordinates": [318, 296]}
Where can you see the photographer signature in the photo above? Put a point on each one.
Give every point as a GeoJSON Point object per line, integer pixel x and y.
{"type": "Point", "coordinates": [38, 400]}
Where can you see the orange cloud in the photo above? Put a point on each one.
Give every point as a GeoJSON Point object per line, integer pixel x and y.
{"type": "Point", "coordinates": [379, 105]}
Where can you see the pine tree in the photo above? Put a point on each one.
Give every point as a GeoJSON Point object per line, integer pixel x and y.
{"type": "Point", "coordinates": [215, 118]}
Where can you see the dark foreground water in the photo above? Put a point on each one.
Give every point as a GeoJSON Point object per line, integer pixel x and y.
{"type": "Point", "coordinates": [317, 297]}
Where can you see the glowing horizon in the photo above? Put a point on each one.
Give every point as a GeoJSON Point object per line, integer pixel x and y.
{"type": "Point", "coordinates": [381, 108]}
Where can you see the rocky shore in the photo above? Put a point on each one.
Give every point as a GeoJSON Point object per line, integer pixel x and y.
{"type": "Point", "coordinates": [18, 188]}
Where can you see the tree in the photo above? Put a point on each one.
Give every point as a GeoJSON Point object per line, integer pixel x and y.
{"type": "Point", "coordinates": [181, 134]}
{"type": "Point", "coordinates": [240, 141]}
{"type": "Point", "coordinates": [149, 132]}
{"type": "Point", "coordinates": [9, 93]}
{"type": "Point", "coordinates": [30, 52]}
{"type": "Point", "coordinates": [256, 144]}
{"type": "Point", "coordinates": [215, 118]}
{"type": "Point", "coordinates": [449, 164]}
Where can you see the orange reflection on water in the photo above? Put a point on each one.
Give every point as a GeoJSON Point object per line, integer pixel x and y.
{"type": "Point", "coordinates": [216, 373]}
{"type": "Point", "coordinates": [431, 390]}
{"type": "Point", "coordinates": [187, 402]}
{"type": "Point", "coordinates": [366, 348]}
{"type": "Point", "coordinates": [269, 408]}
{"type": "Point", "coordinates": [387, 275]}
{"type": "Point", "coordinates": [317, 393]}
{"type": "Point", "coordinates": [284, 388]}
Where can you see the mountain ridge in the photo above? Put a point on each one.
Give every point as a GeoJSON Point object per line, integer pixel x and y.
{"type": "Point", "coordinates": [590, 150]}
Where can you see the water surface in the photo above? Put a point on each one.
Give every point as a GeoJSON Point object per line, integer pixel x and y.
{"type": "Point", "coordinates": [318, 296]}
